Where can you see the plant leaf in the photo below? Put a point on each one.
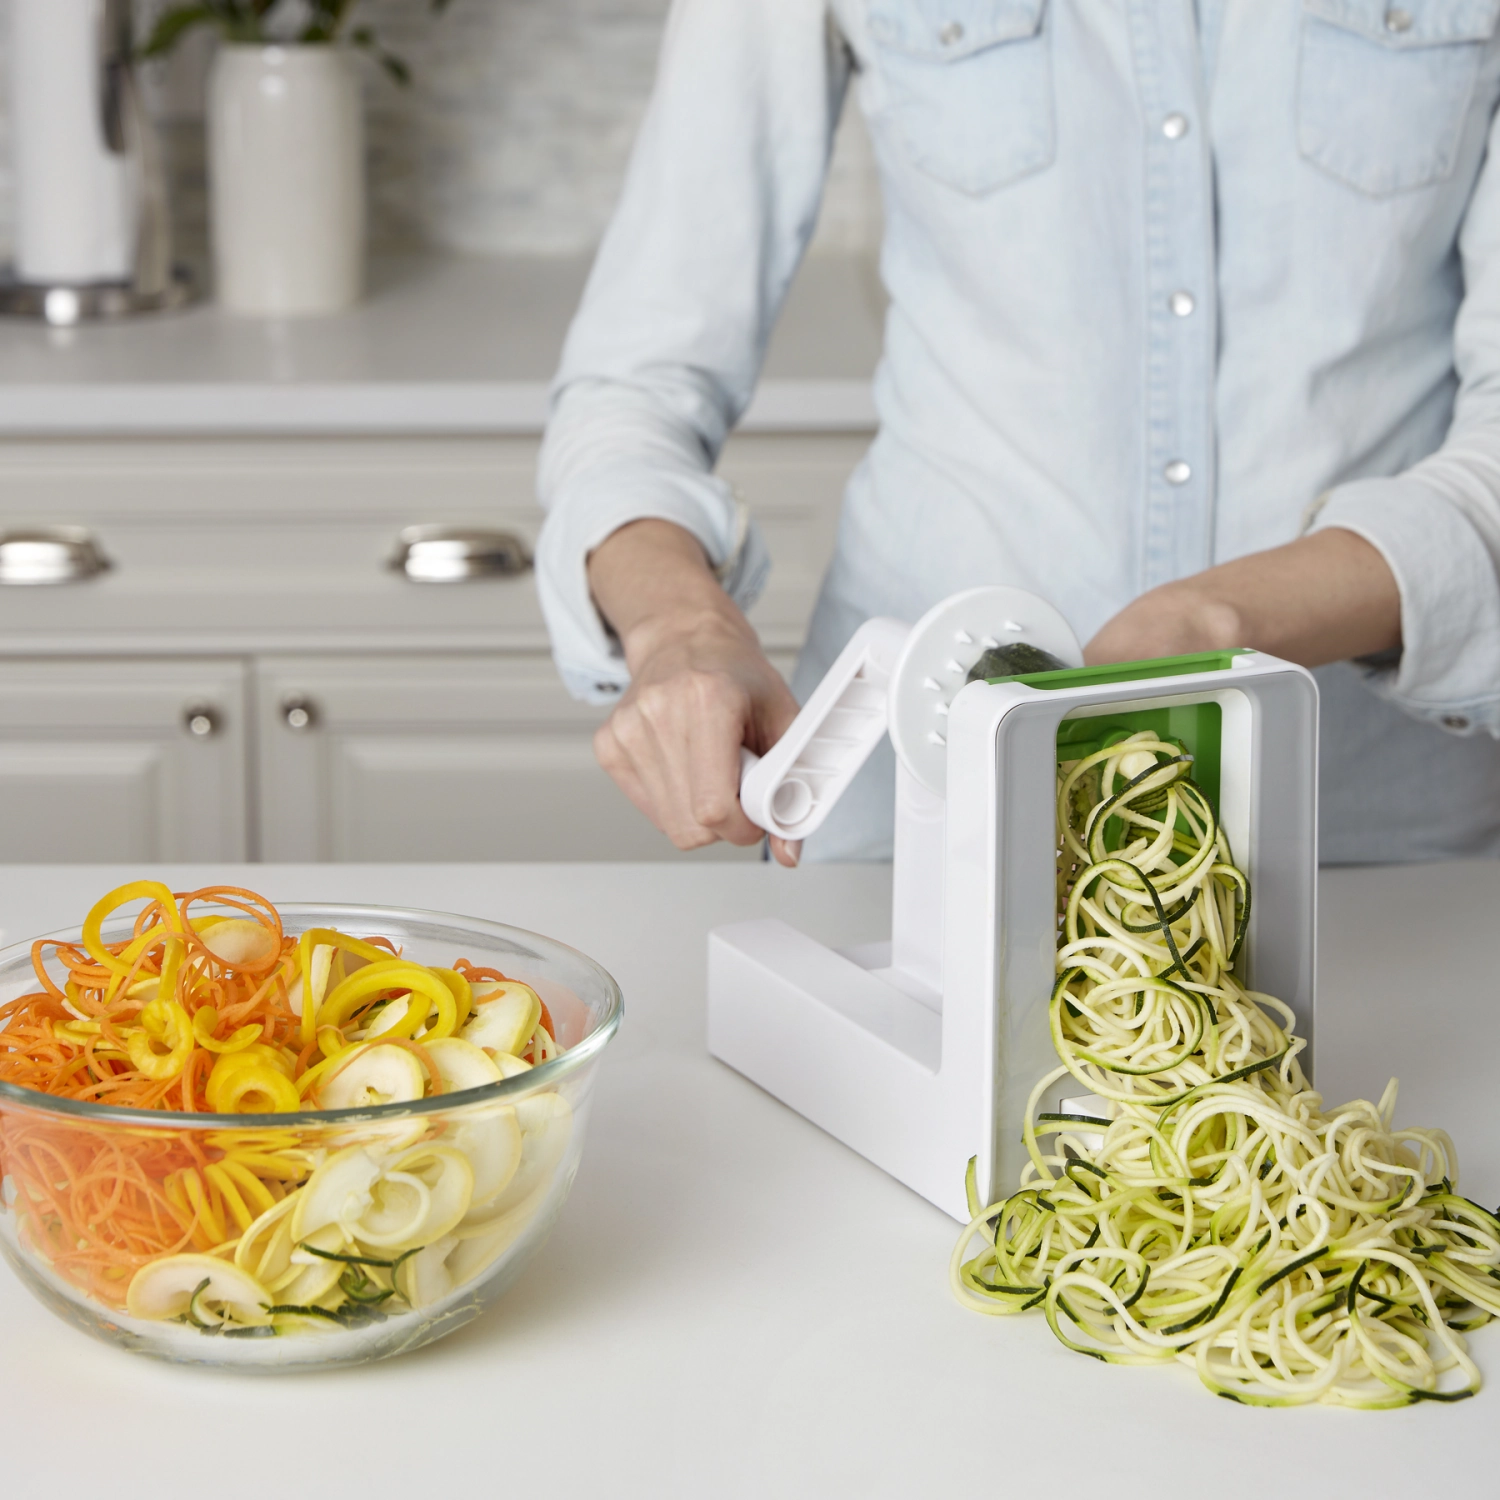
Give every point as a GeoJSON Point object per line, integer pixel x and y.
{"type": "Point", "coordinates": [328, 17]}
{"type": "Point", "coordinates": [172, 25]}
{"type": "Point", "coordinates": [396, 68]}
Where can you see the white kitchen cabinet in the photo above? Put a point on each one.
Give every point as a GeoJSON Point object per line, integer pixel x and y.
{"type": "Point", "coordinates": [437, 728]}
{"type": "Point", "coordinates": [122, 760]}
{"type": "Point", "coordinates": [240, 547]}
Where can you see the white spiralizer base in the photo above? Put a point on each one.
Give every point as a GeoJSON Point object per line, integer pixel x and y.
{"type": "Point", "coordinates": [847, 1048]}
{"type": "Point", "coordinates": [926, 1056]}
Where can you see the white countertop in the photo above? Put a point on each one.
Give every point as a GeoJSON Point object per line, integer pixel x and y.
{"type": "Point", "coordinates": [732, 1304]}
{"type": "Point", "coordinates": [442, 345]}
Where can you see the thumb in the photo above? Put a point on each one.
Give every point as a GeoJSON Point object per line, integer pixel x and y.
{"type": "Point", "coordinates": [786, 852]}
{"type": "Point", "coordinates": [775, 719]}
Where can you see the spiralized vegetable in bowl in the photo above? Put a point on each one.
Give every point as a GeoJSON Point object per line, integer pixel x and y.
{"type": "Point", "coordinates": [207, 1007]}
{"type": "Point", "coordinates": [1207, 1209]}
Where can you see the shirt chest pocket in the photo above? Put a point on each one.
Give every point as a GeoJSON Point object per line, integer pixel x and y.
{"type": "Point", "coordinates": [968, 87]}
{"type": "Point", "coordinates": [1385, 87]}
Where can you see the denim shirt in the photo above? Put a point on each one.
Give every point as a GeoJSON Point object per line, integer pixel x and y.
{"type": "Point", "coordinates": [1170, 281]}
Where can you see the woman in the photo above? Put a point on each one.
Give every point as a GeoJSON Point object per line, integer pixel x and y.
{"type": "Point", "coordinates": [1194, 330]}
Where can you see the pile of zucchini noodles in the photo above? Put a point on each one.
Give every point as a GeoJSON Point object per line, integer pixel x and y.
{"type": "Point", "coordinates": [1211, 1211]}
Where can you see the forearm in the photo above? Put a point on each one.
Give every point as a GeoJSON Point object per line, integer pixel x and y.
{"type": "Point", "coordinates": [1326, 597]}
{"type": "Point", "coordinates": [650, 581]}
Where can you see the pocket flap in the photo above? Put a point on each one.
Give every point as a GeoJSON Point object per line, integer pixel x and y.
{"type": "Point", "coordinates": [1411, 23]}
{"type": "Point", "coordinates": [950, 29]}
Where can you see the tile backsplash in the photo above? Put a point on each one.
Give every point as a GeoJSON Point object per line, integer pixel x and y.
{"type": "Point", "coordinates": [511, 140]}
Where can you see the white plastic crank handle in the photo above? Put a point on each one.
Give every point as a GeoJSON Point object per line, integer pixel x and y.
{"type": "Point", "coordinates": [793, 787]}
{"type": "Point", "coordinates": [896, 676]}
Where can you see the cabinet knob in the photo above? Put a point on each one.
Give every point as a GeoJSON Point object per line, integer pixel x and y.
{"type": "Point", "coordinates": [299, 714]}
{"type": "Point", "coordinates": [202, 721]}
{"type": "Point", "coordinates": [49, 554]}
{"type": "Point", "coordinates": [453, 554]}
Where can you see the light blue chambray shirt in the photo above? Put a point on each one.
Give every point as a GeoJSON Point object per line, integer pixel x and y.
{"type": "Point", "coordinates": [1169, 282]}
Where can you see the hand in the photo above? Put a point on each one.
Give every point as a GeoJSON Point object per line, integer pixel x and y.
{"type": "Point", "coordinates": [701, 687]}
{"type": "Point", "coordinates": [1326, 597]}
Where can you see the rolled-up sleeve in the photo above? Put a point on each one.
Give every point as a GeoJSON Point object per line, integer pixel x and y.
{"type": "Point", "coordinates": [718, 205]}
{"type": "Point", "coordinates": [1438, 524]}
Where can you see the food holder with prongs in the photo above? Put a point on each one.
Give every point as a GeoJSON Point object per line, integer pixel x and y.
{"type": "Point", "coordinates": [921, 1053]}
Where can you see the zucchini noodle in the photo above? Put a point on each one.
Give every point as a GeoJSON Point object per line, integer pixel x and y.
{"type": "Point", "coordinates": [1209, 1210]}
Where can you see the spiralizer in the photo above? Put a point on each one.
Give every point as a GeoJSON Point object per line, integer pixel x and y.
{"type": "Point", "coordinates": [921, 1053]}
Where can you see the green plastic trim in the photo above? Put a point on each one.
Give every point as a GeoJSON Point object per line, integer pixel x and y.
{"type": "Point", "coordinates": [1197, 727]}
{"type": "Point", "coordinates": [1129, 671]}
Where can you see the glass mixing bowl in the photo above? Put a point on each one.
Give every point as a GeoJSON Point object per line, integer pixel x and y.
{"type": "Point", "coordinates": [103, 1171]}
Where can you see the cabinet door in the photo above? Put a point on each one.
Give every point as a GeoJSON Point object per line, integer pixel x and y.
{"type": "Point", "coordinates": [122, 761]}
{"type": "Point", "coordinates": [437, 758]}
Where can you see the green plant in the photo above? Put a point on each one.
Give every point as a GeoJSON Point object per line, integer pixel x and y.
{"type": "Point", "coordinates": [254, 21]}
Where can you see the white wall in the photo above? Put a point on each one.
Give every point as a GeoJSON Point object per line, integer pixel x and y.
{"type": "Point", "coordinates": [513, 138]}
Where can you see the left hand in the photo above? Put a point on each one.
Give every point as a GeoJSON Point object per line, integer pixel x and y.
{"type": "Point", "coordinates": [1326, 597]}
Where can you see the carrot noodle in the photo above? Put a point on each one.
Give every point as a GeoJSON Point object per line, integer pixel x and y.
{"type": "Point", "coordinates": [204, 999]}
{"type": "Point", "coordinates": [474, 973]}
{"type": "Point", "coordinates": [96, 1200]}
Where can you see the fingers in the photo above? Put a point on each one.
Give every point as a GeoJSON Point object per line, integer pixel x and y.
{"type": "Point", "coordinates": [715, 735]}
{"type": "Point", "coordinates": [673, 749]}
{"type": "Point", "coordinates": [774, 714]}
{"type": "Point", "coordinates": [615, 759]}
{"type": "Point", "coordinates": [627, 748]}
{"type": "Point", "coordinates": [786, 852]}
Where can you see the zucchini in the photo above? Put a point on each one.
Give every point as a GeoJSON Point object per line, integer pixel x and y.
{"type": "Point", "coordinates": [1145, 1236]}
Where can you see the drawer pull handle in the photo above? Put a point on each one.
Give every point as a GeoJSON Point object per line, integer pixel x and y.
{"type": "Point", "coordinates": [299, 714]}
{"type": "Point", "coordinates": [454, 554]}
{"type": "Point", "coordinates": [202, 721]}
{"type": "Point", "coordinates": [47, 555]}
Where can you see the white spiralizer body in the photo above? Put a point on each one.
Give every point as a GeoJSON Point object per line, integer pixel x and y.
{"type": "Point", "coordinates": [922, 1052]}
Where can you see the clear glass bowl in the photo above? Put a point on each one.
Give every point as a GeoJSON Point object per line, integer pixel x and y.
{"type": "Point", "coordinates": [116, 1163]}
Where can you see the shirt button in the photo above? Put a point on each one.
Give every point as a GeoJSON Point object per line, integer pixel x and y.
{"type": "Point", "coordinates": [1174, 127]}
{"type": "Point", "coordinates": [1179, 471]}
{"type": "Point", "coordinates": [1397, 20]}
{"type": "Point", "coordinates": [1454, 721]}
{"type": "Point", "coordinates": [952, 33]}
{"type": "Point", "coordinates": [1182, 304]}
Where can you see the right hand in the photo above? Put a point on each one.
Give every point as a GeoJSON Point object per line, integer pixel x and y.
{"type": "Point", "coordinates": [701, 687]}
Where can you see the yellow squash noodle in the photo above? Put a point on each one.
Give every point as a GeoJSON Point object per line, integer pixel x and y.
{"type": "Point", "coordinates": [254, 1080]}
{"type": "Point", "coordinates": [136, 890]}
{"type": "Point", "coordinates": [161, 1046]}
{"type": "Point", "coordinates": [321, 937]}
{"type": "Point", "coordinates": [388, 974]}
{"type": "Point", "coordinates": [206, 1019]}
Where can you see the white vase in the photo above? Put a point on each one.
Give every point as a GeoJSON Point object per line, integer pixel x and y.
{"type": "Point", "coordinates": [286, 179]}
